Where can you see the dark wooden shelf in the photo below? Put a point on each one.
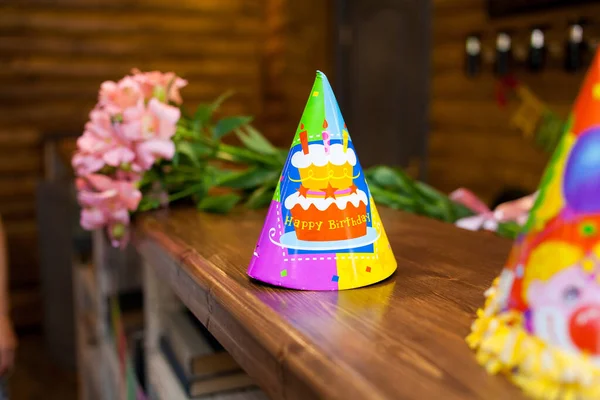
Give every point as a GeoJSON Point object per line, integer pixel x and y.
{"type": "Point", "coordinates": [400, 339]}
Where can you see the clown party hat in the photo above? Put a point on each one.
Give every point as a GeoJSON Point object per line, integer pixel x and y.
{"type": "Point", "coordinates": [322, 230]}
{"type": "Point", "coordinates": [541, 322]}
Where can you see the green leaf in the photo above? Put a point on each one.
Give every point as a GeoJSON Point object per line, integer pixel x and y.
{"type": "Point", "coordinates": [219, 100]}
{"type": "Point", "coordinates": [460, 211]}
{"type": "Point", "coordinates": [446, 210]}
{"type": "Point", "coordinates": [219, 204]}
{"type": "Point", "coordinates": [149, 177]}
{"type": "Point", "coordinates": [189, 190]}
{"type": "Point", "coordinates": [384, 176]}
{"type": "Point", "coordinates": [175, 159]}
{"type": "Point", "coordinates": [283, 154]}
{"type": "Point", "coordinates": [254, 140]}
{"type": "Point", "coordinates": [184, 131]}
{"type": "Point", "coordinates": [391, 178]}
{"type": "Point", "coordinates": [148, 203]}
{"type": "Point", "coordinates": [184, 177]}
{"type": "Point", "coordinates": [228, 125]}
{"type": "Point", "coordinates": [508, 229]}
{"type": "Point", "coordinates": [202, 116]}
{"type": "Point", "coordinates": [434, 211]}
{"type": "Point", "coordinates": [439, 206]}
{"type": "Point", "coordinates": [392, 199]}
{"type": "Point", "coordinates": [245, 156]}
{"type": "Point", "coordinates": [213, 175]}
{"type": "Point", "coordinates": [188, 150]}
{"type": "Point", "coordinates": [248, 179]}
{"type": "Point", "coordinates": [261, 197]}
{"type": "Point", "coordinates": [200, 193]}
{"type": "Point", "coordinates": [428, 193]}
{"type": "Point", "coordinates": [196, 152]}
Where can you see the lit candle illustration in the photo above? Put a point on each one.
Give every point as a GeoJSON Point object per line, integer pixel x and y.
{"type": "Point", "coordinates": [345, 138]}
{"type": "Point", "coordinates": [326, 137]}
{"type": "Point", "coordinates": [304, 139]}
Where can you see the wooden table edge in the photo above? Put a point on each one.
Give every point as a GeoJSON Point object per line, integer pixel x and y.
{"type": "Point", "coordinates": [295, 353]}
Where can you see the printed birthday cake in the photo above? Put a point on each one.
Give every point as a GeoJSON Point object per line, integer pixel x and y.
{"type": "Point", "coordinates": [328, 205]}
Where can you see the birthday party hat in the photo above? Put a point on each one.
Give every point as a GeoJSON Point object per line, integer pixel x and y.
{"type": "Point", "coordinates": [541, 322]}
{"type": "Point", "coordinates": [322, 230]}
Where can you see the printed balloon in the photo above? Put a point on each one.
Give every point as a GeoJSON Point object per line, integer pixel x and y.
{"type": "Point", "coordinates": [582, 174]}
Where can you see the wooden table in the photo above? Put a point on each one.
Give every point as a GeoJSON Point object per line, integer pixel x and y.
{"type": "Point", "coordinates": [400, 339]}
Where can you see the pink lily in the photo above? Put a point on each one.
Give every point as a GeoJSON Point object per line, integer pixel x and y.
{"type": "Point", "coordinates": [107, 203]}
{"type": "Point", "coordinates": [101, 139]}
{"type": "Point", "coordinates": [97, 190]}
{"type": "Point", "coordinates": [115, 97]}
{"type": "Point", "coordinates": [85, 164]}
{"type": "Point", "coordinates": [151, 128]}
{"type": "Point", "coordinates": [155, 83]}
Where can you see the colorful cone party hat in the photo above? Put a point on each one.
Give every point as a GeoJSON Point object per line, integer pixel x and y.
{"type": "Point", "coordinates": [322, 230]}
{"type": "Point", "coordinates": [541, 322]}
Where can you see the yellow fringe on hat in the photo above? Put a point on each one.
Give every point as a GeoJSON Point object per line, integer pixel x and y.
{"type": "Point", "coordinates": [543, 372]}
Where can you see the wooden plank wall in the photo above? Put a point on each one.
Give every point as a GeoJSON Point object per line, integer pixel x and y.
{"type": "Point", "coordinates": [299, 41]}
{"type": "Point", "coordinates": [20, 165]}
{"type": "Point", "coordinates": [472, 143]}
{"type": "Point", "coordinates": [55, 53]}
{"type": "Point", "coordinates": [53, 57]}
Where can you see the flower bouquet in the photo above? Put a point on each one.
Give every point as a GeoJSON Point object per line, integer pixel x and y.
{"type": "Point", "coordinates": [140, 151]}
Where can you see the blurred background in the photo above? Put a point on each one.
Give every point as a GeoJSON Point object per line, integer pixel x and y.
{"type": "Point", "coordinates": [423, 84]}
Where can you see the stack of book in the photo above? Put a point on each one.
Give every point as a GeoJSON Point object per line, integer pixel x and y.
{"type": "Point", "coordinates": [201, 364]}
{"type": "Point", "coordinates": [126, 323]}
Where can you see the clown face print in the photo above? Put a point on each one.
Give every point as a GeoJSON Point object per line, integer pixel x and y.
{"type": "Point", "coordinates": [563, 295]}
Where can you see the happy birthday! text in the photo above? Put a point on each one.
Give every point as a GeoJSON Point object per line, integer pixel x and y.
{"type": "Point", "coordinates": [328, 224]}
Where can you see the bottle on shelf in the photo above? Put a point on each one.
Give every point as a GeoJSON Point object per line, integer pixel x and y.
{"type": "Point", "coordinates": [504, 57]}
{"type": "Point", "coordinates": [536, 58]}
{"type": "Point", "coordinates": [575, 47]}
{"type": "Point", "coordinates": [473, 55]}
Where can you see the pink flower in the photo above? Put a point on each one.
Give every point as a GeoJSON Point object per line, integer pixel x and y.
{"type": "Point", "coordinates": [160, 84]}
{"type": "Point", "coordinates": [106, 203]}
{"type": "Point", "coordinates": [155, 121]}
{"type": "Point", "coordinates": [132, 175]}
{"type": "Point", "coordinates": [92, 218]}
{"type": "Point", "coordinates": [117, 96]}
{"type": "Point", "coordinates": [103, 192]}
{"type": "Point", "coordinates": [149, 151]}
{"type": "Point", "coordinates": [101, 141]}
{"type": "Point", "coordinates": [131, 128]}
{"type": "Point", "coordinates": [165, 119]}
{"type": "Point", "coordinates": [152, 128]}
{"type": "Point", "coordinates": [85, 164]}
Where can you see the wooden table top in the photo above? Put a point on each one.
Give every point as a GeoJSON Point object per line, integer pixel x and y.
{"type": "Point", "coordinates": [400, 339]}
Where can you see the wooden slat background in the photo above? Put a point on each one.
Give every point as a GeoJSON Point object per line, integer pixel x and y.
{"type": "Point", "coordinates": [471, 141]}
{"type": "Point", "coordinates": [55, 53]}
{"type": "Point", "coordinates": [298, 42]}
